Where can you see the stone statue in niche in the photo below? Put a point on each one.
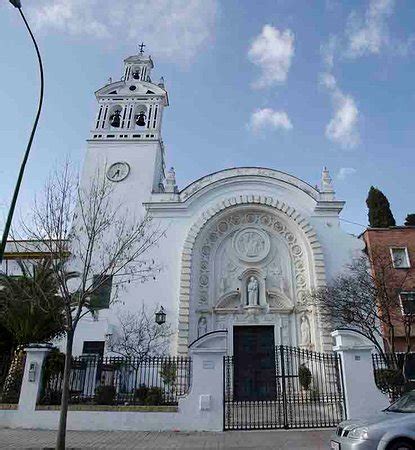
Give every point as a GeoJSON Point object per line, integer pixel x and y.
{"type": "Point", "coordinates": [201, 326]}
{"type": "Point", "coordinates": [305, 331]}
{"type": "Point", "coordinates": [253, 292]}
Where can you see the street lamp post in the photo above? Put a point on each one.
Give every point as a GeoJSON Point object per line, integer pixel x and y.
{"type": "Point", "coordinates": [17, 4]}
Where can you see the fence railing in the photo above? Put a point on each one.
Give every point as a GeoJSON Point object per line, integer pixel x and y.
{"type": "Point", "coordinates": [392, 372]}
{"type": "Point", "coordinates": [288, 388]}
{"type": "Point", "coordinates": [11, 376]}
{"type": "Point", "coordinates": [122, 381]}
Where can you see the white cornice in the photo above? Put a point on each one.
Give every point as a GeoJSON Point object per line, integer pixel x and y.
{"type": "Point", "coordinates": [241, 172]}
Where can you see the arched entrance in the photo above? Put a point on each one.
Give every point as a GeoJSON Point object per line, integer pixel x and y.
{"type": "Point", "coordinates": [251, 261]}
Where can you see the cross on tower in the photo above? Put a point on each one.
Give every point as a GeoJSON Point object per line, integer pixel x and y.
{"type": "Point", "coordinates": [141, 47]}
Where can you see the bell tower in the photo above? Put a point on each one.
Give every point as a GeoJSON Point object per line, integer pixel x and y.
{"type": "Point", "coordinates": [125, 140]}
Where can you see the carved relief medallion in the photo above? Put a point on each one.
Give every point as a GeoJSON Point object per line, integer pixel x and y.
{"type": "Point", "coordinates": [251, 244]}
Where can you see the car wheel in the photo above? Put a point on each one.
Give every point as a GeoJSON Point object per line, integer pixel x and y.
{"type": "Point", "coordinates": [401, 444]}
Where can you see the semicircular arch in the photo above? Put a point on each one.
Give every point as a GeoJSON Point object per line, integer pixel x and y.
{"type": "Point", "coordinates": [302, 225]}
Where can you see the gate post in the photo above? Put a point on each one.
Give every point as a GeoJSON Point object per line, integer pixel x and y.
{"type": "Point", "coordinates": [362, 396]}
{"type": "Point", "coordinates": [203, 406]}
{"type": "Point", "coordinates": [32, 376]}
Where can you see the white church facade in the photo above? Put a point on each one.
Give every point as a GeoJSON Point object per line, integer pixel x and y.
{"type": "Point", "coordinates": [243, 246]}
{"type": "Point", "coordinates": [241, 250]}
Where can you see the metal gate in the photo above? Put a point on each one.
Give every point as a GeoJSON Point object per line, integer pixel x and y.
{"type": "Point", "coordinates": [305, 392]}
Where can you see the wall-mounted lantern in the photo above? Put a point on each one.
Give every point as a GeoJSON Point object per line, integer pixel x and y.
{"type": "Point", "coordinates": [160, 316]}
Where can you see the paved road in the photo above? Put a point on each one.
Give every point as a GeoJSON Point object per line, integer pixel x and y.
{"type": "Point", "coordinates": [258, 440]}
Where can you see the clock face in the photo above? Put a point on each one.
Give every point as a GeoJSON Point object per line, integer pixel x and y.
{"type": "Point", "coordinates": [118, 171]}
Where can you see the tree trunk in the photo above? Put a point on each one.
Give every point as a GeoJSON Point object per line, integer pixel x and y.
{"type": "Point", "coordinates": [13, 381]}
{"type": "Point", "coordinates": [60, 443]}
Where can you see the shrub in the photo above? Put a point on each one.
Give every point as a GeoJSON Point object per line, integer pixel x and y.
{"type": "Point", "coordinates": [305, 377]}
{"type": "Point", "coordinates": [140, 393]}
{"type": "Point", "coordinates": [53, 366]}
{"type": "Point", "coordinates": [314, 394]}
{"type": "Point", "coordinates": [105, 395]}
{"type": "Point", "coordinates": [389, 380]}
{"type": "Point", "coordinates": [51, 397]}
{"type": "Point", "coordinates": [154, 396]}
{"type": "Point", "coordinates": [168, 373]}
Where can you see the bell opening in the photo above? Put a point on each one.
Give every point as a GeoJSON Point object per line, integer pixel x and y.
{"type": "Point", "coordinates": [115, 119]}
{"type": "Point", "coordinates": [141, 119]}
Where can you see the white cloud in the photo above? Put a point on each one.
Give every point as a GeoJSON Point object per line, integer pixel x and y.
{"type": "Point", "coordinates": [272, 51]}
{"type": "Point", "coordinates": [172, 29]}
{"type": "Point", "coordinates": [343, 127]}
{"type": "Point", "coordinates": [344, 172]}
{"type": "Point", "coordinates": [328, 50]}
{"type": "Point", "coordinates": [268, 118]}
{"type": "Point", "coordinates": [368, 34]}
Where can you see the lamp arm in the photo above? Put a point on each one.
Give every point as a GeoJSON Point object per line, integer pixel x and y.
{"type": "Point", "coordinates": [29, 145]}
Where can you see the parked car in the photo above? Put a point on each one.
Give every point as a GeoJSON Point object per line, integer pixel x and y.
{"type": "Point", "coordinates": [391, 429]}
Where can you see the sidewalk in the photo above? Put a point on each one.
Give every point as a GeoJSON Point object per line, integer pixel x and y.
{"type": "Point", "coordinates": [259, 440]}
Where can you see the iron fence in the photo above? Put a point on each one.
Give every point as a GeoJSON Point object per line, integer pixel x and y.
{"type": "Point", "coordinates": [295, 388]}
{"type": "Point", "coordinates": [393, 372]}
{"type": "Point", "coordinates": [122, 381]}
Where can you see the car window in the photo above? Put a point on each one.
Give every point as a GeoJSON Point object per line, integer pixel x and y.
{"type": "Point", "coordinates": [405, 404]}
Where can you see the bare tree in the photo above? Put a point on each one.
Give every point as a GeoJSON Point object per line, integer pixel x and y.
{"type": "Point", "coordinates": [365, 298]}
{"type": "Point", "coordinates": [91, 240]}
{"type": "Point", "coordinates": [138, 336]}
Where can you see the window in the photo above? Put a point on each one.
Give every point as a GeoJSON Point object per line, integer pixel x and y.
{"type": "Point", "coordinates": [400, 257]}
{"type": "Point", "coordinates": [100, 299]}
{"type": "Point", "coordinates": [408, 303]}
{"type": "Point", "coordinates": [93, 348]}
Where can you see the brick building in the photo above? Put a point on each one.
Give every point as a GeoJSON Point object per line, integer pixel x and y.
{"type": "Point", "coordinates": [392, 256]}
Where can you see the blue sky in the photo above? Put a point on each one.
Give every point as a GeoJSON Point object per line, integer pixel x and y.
{"type": "Point", "coordinates": [288, 85]}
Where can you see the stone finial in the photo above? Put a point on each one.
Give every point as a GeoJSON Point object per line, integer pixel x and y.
{"type": "Point", "coordinates": [161, 82]}
{"type": "Point", "coordinates": [171, 185]}
{"type": "Point", "coordinates": [327, 188]}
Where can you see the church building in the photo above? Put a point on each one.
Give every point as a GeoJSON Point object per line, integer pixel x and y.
{"type": "Point", "coordinates": [243, 246]}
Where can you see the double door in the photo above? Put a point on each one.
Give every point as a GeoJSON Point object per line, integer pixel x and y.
{"type": "Point", "coordinates": [254, 363]}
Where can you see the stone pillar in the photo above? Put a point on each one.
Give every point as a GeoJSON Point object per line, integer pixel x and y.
{"type": "Point", "coordinates": [203, 406]}
{"type": "Point", "coordinates": [362, 397]}
{"type": "Point", "coordinates": [32, 376]}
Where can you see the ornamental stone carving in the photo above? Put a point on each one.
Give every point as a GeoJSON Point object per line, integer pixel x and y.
{"type": "Point", "coordinates": [227, 217]}
{"type": "Point", "coordinates": [305, 331]}
{"type": "Point", "coordinates": [251, 244]}
{"type": "Point", "coordinates": [241, 241]}
{"type": "Point", "coordinates": [201, 326]}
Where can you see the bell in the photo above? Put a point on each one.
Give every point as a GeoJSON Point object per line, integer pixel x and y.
{"type": "Point", "coordinates": [136, 74]}
{"type": "Point", "coordinates": [141, 119]}
{"type": "Point", "coordinates": [115, 119]}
